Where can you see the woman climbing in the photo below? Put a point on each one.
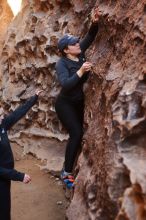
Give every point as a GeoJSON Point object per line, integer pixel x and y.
{"type": "Point", "coordinates": [72, 71]}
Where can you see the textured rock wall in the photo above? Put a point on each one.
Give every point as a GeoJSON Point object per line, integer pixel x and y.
{"type": "Point", "coordinates": [28, 60]}
{"type": "Point", "coordinates": [6, 16]}
{"type": "Point", "coordinates": [111, 167]}
{"type": "Point", "coordinates": [113, 157]}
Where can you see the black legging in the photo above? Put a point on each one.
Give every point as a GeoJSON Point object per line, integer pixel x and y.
{"type": "Point", "coordinates": [71, 114]}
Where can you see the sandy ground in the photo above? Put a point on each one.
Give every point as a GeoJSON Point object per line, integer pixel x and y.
{"type": "Point", "coordinates": [42, 199]}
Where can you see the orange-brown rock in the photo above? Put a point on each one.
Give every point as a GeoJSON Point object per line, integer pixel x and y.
{"type": "Point", "coordinates": [6, 16]}
{"type": "Point", "coordinates": [111, 168]}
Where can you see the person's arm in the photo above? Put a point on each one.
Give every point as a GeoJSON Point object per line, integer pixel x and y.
{"type": "Point", "coordinates": [65, 80]}
{"type": "Point", "coordinates": [85, 77]}
{"type": "Point", "coordinates": [17, 114]}
{"type": "Point", "coordinates": [89, 37]}
{"type": "Point", "coordinates": [11, 174]}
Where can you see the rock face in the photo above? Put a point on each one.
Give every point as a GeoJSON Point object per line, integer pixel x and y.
{"type": "Point", "coordinates": [6, 16]}
{"type": "Point", "coordinates": [111, 167]}
{"type": "Point", "coordinates": [113, 157]}
{"type": "Point", "coordinates": [28, 60]}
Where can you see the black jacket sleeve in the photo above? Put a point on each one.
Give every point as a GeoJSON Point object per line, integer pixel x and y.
{"type": "Point", "coordinates": [85, 77]}
{"type": "Point", "coordinates": [89, 37]}
{"type": "Point", "coordinates": [67, 82]}
{"type": "Point", "coordinates": [17, 114]}
{"type": "Point", "coordinates": [11, 174]}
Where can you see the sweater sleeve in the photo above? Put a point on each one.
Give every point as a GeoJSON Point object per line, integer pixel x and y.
{"type": "Point", "coordinates": [67, 82]}
{"type": "Point", "coordinates": [89, 37]}
{"type": "Point", "coordinates": [17, 114]}
{"type": "Point", "coordinates": [85, 77]}
{"type": "Point", "coordinates": [11, 174]}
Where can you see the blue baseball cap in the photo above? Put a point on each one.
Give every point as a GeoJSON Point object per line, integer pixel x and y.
{"type": "Point", "coordinates": [67, 40]}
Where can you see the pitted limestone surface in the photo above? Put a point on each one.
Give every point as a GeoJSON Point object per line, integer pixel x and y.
{"type": "Point", "coordinates": [110, 168]}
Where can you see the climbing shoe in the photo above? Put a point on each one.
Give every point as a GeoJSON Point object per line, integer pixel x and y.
{"type": "Point", "coordinates": [67, 179]}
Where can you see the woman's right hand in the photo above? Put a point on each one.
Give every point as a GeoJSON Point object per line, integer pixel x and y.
{"type": "Point", "coordinates": [84, 68]}
{"type": "Point", "coordinates": [26, 179]}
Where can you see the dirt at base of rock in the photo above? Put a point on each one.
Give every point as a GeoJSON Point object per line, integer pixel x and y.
{"type": "Point", "coordinates": [42, 199]}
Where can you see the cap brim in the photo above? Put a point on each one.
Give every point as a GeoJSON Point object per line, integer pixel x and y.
{"type": "Point", "coordinates": [73, 40]}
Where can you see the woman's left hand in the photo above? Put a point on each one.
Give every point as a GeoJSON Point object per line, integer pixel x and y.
{"type": "Point", "coordinates": [95, 14]}
{"type": "Point", "coordinates": [38, 92]}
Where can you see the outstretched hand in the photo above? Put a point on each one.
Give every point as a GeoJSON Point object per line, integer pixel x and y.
{"type": "Point", "coordinates": [38, 92]}
{"type": "Point", "coordinates": [95, 14]}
